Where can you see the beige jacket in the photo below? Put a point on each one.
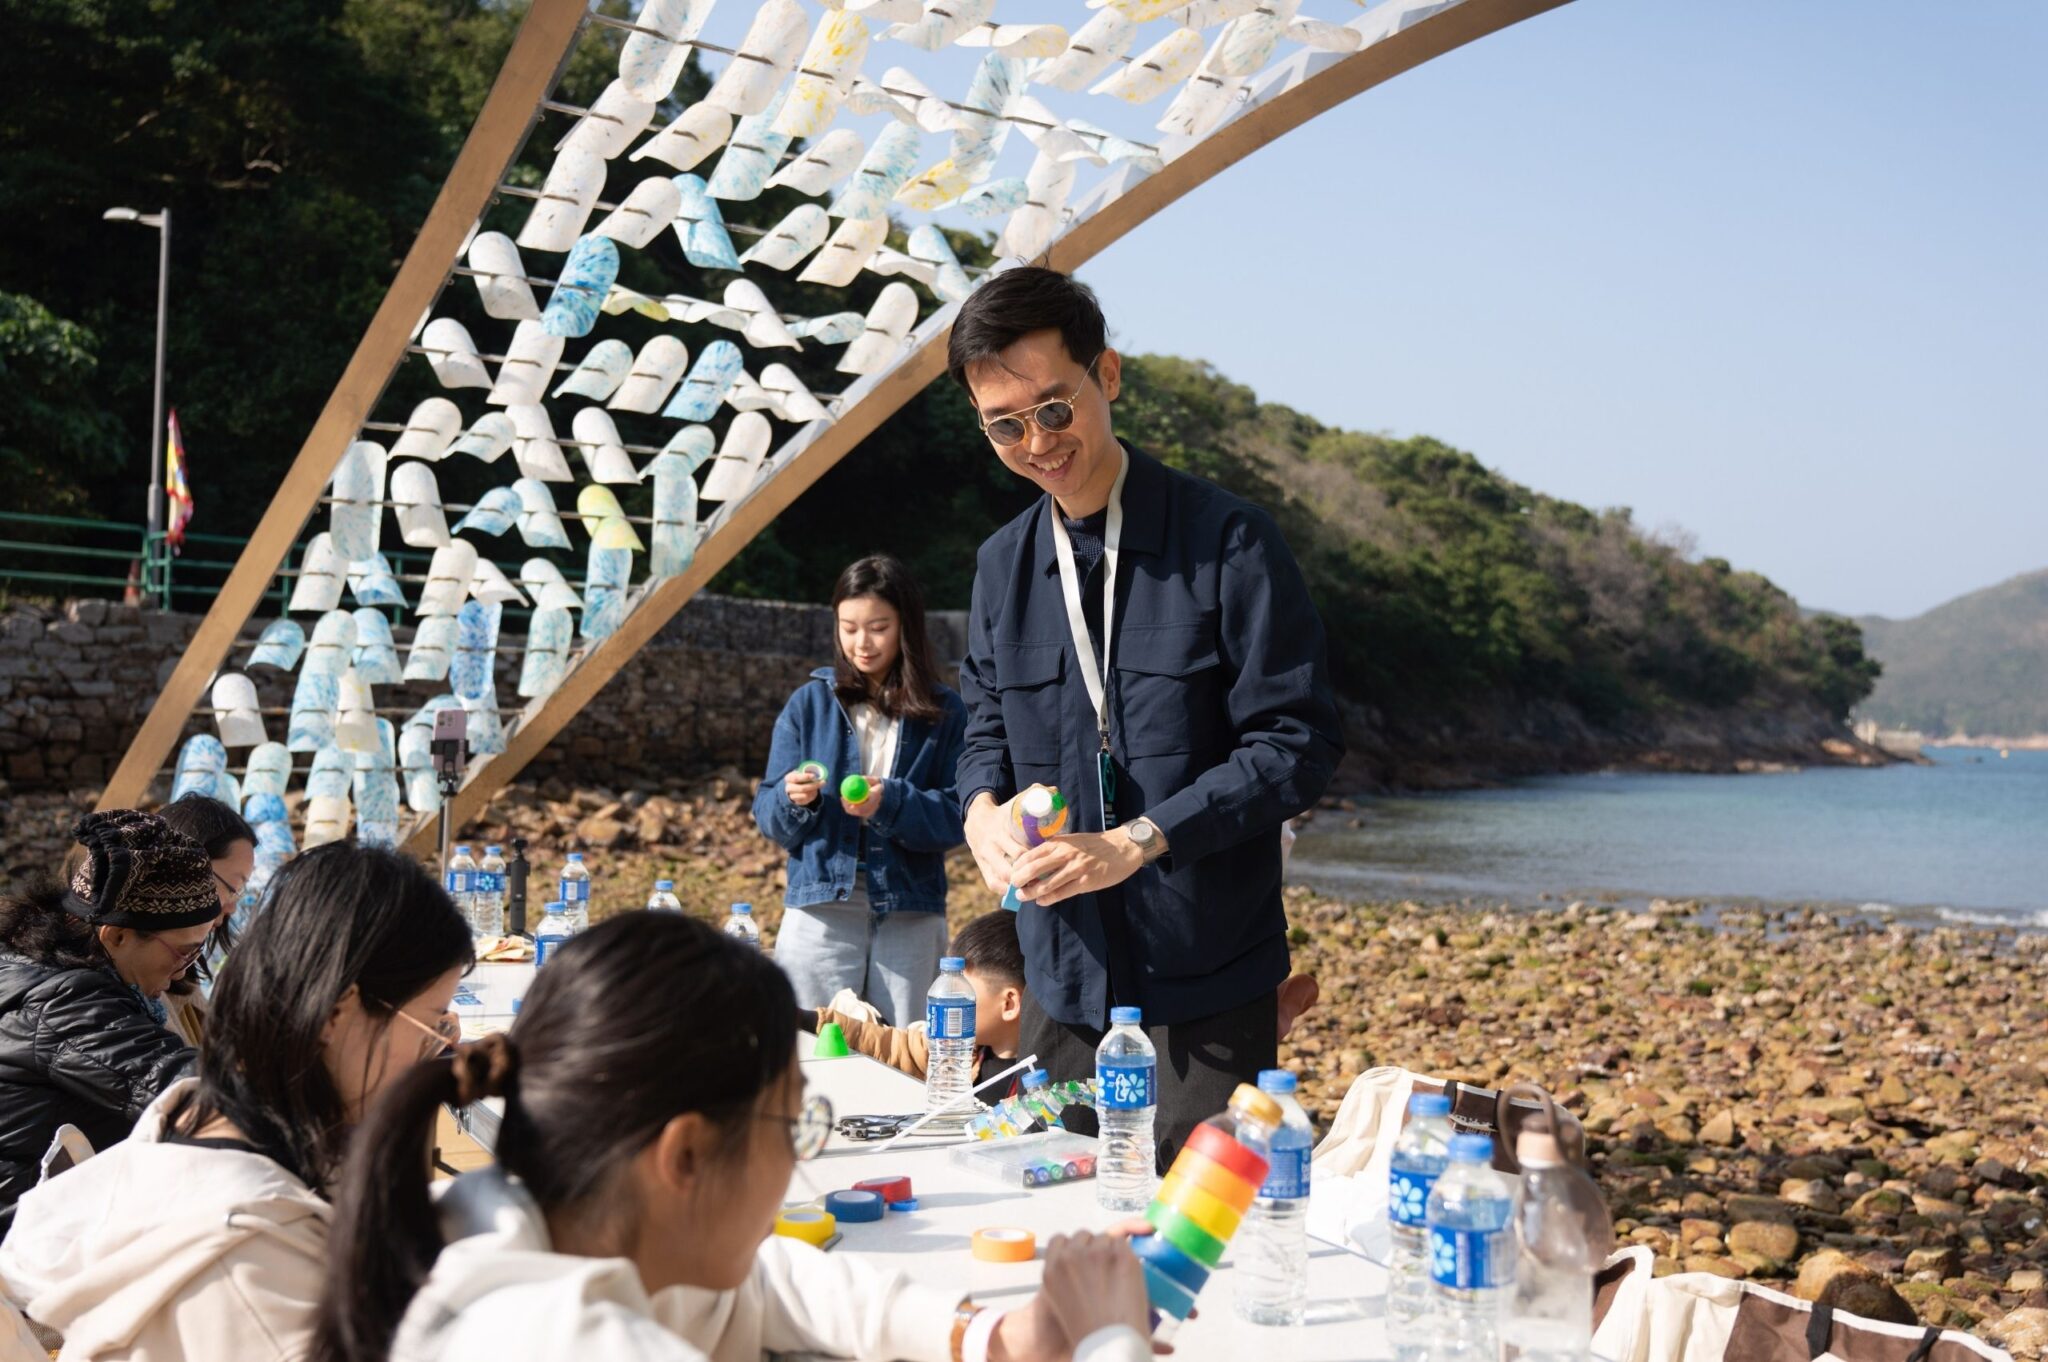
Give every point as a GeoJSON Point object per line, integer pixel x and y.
{"type": "Point", "coordinates": [156, 1252]}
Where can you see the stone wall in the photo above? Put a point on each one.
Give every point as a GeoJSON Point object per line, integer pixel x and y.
{"type": "Point", "coordinates": [76, 683]}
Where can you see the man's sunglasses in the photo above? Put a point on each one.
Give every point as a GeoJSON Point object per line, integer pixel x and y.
{"type": "Point", "coordinates": [1052, 416]}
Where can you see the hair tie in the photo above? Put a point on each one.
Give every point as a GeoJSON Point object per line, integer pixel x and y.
{"type": "Point", "coordinates": [484, 1068]}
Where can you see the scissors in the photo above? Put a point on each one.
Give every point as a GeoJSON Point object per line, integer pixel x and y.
{"type": "Point", "coordinates": [874, 1127]}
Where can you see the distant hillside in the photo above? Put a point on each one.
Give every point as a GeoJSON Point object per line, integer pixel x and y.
{"type": "Point", "coordinates": [1476, 625]}
{"type": "Point", "coordinates": [1977, 665]}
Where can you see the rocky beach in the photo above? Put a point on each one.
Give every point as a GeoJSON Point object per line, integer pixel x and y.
{"type": "Point", "coordinates": [1805, 1097]}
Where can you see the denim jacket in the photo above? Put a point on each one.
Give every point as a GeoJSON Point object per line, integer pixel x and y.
{"type": "Point", "coordinates": [904, 843]}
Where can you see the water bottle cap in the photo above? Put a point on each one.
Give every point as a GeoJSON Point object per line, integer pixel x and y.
{"type": "Point", "coordinates": [557, 906]}
{"type": "Point", "coordinates": [1471, 1148]}
{"type": "Point", "coordinates": [1429, 1105]}
{"type": "Point", "coordinates": [1126, 1016]}
{"type": "Point", "coordinates": [952, 964]}
{"type": "Point", "coordinates": [663, 886]}
{"type": "Point", "coordinates": [1276, 1081]}
{"type": "Point", "coordinates": [462, 848]}
{"type": "Point", "coordinates": [744, 909]}
{"type": "Point", "coordinates": [1537, 1148]}
{"type": "Point", "coordinates": [494, 851]}
{"type": "Point", "coordinates": [1037, 1078]}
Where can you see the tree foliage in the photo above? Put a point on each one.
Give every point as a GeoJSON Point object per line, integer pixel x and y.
{"type": "Point", "coordinates": [299, 145]}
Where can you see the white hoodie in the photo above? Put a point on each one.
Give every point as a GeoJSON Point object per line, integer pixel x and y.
{"type": "Point", "coordinates": [498, 1291]}
{"type": "Point", "coordinates": [156, 1252]}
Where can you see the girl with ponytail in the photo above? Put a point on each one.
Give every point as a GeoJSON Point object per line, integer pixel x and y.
{"type": "Point", "coordinates": [204, 1234]}
{"type": "Point", "coordinates": [654, 1114]}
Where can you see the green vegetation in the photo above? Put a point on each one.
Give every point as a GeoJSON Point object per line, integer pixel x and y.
{"type": "Point", "coordinates": [299, 144]}
{"type": "Point", "coordinates": [1977, 665]}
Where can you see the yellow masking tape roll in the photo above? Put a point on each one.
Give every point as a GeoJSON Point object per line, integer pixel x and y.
{"type": "Point", "coordinates": [813, 1227]}
{"type": "Point", "coordinates": [1209, 1213]}
{"type": "Point", "coordinates": [1005, 1245]}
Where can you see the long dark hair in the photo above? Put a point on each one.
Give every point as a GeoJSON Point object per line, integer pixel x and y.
{"type": "Point", "coordinates": [643, 1018]}
{"type": "Point", "coordinates": [217, 828]}
{"type": "Point", "coordinates": [911, 689]}
{"type": "Point", "coordinates": [209, 822]}
{"type": "Point", "coordinates": [338, 916]}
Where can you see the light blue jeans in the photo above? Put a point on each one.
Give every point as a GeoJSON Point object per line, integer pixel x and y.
{"type": "Point", "coordinates": [889, 959]}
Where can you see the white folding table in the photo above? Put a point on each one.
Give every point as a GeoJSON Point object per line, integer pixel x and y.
{"type": "Point", "coordinates": [1347, 1294]}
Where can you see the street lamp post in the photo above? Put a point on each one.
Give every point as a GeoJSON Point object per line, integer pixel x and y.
{"type": "Point", "coordinates": [161, 220]}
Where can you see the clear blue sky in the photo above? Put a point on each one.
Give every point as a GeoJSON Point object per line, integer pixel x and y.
{"type": "Point", "coordinates": [1776, 273]}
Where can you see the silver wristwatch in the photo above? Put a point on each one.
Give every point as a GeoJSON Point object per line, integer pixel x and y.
{"type": "Point", "coordinates": [1148, 839]}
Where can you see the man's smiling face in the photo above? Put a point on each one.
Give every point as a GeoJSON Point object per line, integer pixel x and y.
{"type": "Point", "coordinates": [1077, 465]}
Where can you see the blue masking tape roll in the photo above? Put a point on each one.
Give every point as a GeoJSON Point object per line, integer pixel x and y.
{"type": "Point", "coordinates": [854, 1207]}
{"type": "Point", "coordinates": [909, 1205]}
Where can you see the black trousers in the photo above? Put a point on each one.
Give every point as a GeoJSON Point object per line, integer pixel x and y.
{"type": "Point", "coordinates": [1201, 1062]}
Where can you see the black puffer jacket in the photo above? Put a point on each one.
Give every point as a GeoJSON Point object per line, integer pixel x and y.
{"type": "Point", "coordinates": [76, 1045]}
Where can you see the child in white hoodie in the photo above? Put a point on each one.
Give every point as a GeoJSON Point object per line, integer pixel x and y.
{"type": "Point", "coordinates": [203, 1236]}
{"type": "Point", "coordinates": [654, 1113]}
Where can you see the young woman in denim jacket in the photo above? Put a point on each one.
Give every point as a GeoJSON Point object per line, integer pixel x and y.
{"type": "Point", "coordinates": [866, 907]}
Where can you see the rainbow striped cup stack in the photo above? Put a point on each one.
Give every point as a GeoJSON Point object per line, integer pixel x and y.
{"type": "Point", "coordinates": [1201, 1200]}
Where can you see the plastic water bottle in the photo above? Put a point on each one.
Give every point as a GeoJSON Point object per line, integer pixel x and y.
{"type": "Point", "coordinates": [555, 929]}
{"type": "Point", "coordinates": [1550, 1307]}
{"type": "Point", "coordinates": [489, 918]}
{"type": "Point", "coordinates": [576, 892]}
{"type": "Point", "coordinates": [1127, 1072]}
{"type": "Point", "coordinates": [1471, 1254]}
{"type": "Point", "coordinates": [1272, 1275]}
{"type": "Point", "coordinates": [664, 899]}
{"type": "Point", "coordinates": [742, 925]}
{"type": "Point", "coordinates": [949, 1031]}
{"type": "Point", "coordinates": [462, 884]}
{"type": "Point", "coordinates": [1420, 1156]}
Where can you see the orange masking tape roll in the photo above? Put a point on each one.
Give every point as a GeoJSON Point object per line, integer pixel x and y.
{"type": "Point", "coordinates": [1005, 1245]}
{"type": "Point", "coordinates": [1212, 1177]}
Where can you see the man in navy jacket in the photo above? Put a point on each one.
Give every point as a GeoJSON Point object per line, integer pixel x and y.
{"type": "Point", "coordinates": [1211, 725]}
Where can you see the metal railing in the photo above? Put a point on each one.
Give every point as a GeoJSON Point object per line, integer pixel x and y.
{"type": "Point", "coordinates": [77, 557]}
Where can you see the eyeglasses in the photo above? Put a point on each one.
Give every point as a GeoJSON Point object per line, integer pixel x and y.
{"type": "Point", "coordinates": [445, 1032]}
{"type": "Point", "coordinates": [232, 888]}
{"type": "Point", "coordinates": [809, 1128]}
{"type": "Point", "coordinates": [1052, 417]}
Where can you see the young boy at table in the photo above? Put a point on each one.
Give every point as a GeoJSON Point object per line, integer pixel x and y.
{"type": "Point", "coordinates": [995, 969]}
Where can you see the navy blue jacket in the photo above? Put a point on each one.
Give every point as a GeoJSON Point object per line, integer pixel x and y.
{"type": "Point", "coordinates": [1223, 725]}
{"type": "Point", "coordinates": [904, 843]}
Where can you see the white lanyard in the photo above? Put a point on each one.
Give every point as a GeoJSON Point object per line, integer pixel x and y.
{"type": "Point", "coordinates": [1096, 679]}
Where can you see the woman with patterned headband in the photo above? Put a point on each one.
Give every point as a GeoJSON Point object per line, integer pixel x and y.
{"type": "Point", "coordinates": [83, 971]}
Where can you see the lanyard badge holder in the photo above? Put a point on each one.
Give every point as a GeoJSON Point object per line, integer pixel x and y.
{"type": "Point", "coordinates": [1095, 678]}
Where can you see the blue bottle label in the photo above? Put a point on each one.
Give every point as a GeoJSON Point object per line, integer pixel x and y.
{"type": "Point", "coordinates": [489, 882]}
{"type": "Point", "coordinates": [458, 881]}
{"type": "Point", "coordinates": [949, 1019]}
{"type": "Point", "coordinates": [1128, 1085]}
{"type": "Point", "coordinates": [543, 947]}
{"type": "Point", "coordinates": [575, 891]}
{"type": "Point", "coordinates": [1408, 1196]}
{"type": "Point", "coordinates": [1470, 1260]}
{"type": "Point", "coordinates": [1286, 1172]}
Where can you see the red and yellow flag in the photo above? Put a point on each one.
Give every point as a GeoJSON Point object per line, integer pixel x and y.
{"type": "Point", "coordinates": [176, 489]}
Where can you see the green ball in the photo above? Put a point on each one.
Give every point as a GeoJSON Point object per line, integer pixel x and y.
{"type": "Point", "coordinates": [855, 789]}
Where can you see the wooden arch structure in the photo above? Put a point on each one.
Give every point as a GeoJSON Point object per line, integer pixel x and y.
{"type": "Point", "coordinates": [1139, 180]}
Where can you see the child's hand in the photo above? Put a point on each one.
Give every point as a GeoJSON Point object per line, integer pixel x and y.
{"type": "Point", "coordinates": [802, 787]}
{"type": "Point", "coordinates": [869, 806]}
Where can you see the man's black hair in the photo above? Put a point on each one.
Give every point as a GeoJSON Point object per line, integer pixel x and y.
{"type": "Point", "coordinates": [1017, 302]}
{"type": "Point", "coordinates": [990, 947]}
